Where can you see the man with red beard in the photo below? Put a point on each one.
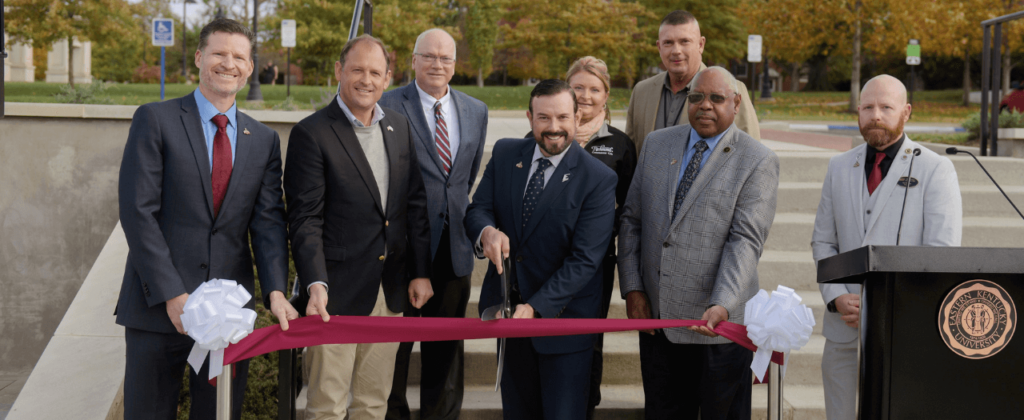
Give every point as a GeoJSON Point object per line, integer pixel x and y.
{"type": "Point", "coordinates": [861, 203]}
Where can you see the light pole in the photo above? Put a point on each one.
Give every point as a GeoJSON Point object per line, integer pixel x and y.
{"type": "Point", "coordinates": [254, 84]}
{"type": "Point", "coordinates": [184, 39]}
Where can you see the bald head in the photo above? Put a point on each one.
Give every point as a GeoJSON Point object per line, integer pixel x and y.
{"type": "Point", "coordinates": [883, 111]}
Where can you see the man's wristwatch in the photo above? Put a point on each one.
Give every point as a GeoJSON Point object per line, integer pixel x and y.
{"type": "Point", "coordinates": [832, 307]}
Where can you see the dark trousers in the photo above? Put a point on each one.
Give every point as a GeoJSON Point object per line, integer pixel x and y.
{"type": "Point", "coordinates": [597, 365]}
{"type": "Point", "coordinates": [538, 386]}
{"type": "Point", "coordinates": [679, 379]}
{"type": "Point", "coordinates": [442, 377]}
{"type": "Point", "coordinates": [152, 378]}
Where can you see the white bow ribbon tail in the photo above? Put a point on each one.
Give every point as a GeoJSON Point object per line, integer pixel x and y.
{"type": "Point", "coordinates": [777, 323]}
{"type": "Point", "coordinates": [214, 317]}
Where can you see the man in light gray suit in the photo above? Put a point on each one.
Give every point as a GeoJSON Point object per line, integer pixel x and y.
{"type": "Point", "coordinates": [448, 129]}
{"type": "Point", "coordinates": [695, 221]}
{"type": "Point", "coordinates": [851, 215]}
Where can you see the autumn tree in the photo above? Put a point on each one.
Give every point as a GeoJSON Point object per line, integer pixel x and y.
{"type": "Point", "coordinates": [43, 22]}
{"type": "Point", "coordinates": [481, 34]}
{"type": "Point", "coordinates": [557, 32]}
{"type": "Point", "coordinates": [399, 22]}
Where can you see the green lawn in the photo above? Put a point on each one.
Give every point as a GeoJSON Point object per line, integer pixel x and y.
{"type": "Point", "coordinates": [304, 97]}
{"type": "Point", "coordinates": [931, 106]}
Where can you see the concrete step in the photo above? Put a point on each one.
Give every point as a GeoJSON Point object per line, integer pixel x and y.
{"type": "Point", "coordinates": [793, 231]}
{"type": "Point", "coordinates": [623, 402]}
{"type": "Point", "coordinates": [812, 166]}
{"type": "Point", "coordinates": [978, 200]}
{"type": "Point", "coordinates": [621, 361]}
{"type": "Point", "coordinates": [794, 269]}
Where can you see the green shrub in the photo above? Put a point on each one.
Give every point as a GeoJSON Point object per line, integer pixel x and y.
{"type": "Point", "coordinates": [84, 94]}
{"type": "Point", "coordinates": [1007, 119]}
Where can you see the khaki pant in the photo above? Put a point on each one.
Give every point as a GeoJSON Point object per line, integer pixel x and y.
{"type": "Point", "coordinates": [367, 370]}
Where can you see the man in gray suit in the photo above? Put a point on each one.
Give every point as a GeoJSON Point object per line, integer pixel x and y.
{"type": "Point", "coordinates": [199, 183]}
{"type": "Point", "coordinates": [861, 204]}
{"type": "Point", "coordinates": [448, 129]}
{"type": "Point", "coordinates": [694, 225]}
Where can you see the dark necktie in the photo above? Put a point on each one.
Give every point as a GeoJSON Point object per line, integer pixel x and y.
{"type": "Point", "coordinates": [692, 170]}
{"type": "Point", "coordinates": [441, 139]}
{"type": "Point", "coordinates": [221, 172]}
{"type": "Point", "coordinates": [875, 177]}
{"type": "Point", "coordinates": [533, 190]}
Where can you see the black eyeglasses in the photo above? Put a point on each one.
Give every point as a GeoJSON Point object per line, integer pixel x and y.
{"type": "Point", "coordinates": [431, 58]}
{"type": "Point", "coordinates": [696, 98]}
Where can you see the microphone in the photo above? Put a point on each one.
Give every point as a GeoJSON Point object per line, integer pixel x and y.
{"type": "Point", "coordinates": [953, 151]}
{"type": "Point", "coordinates": [899, 230]}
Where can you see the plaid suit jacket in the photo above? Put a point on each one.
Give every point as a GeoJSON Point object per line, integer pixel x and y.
{"type": "Point", "coordinates": [708, 254]}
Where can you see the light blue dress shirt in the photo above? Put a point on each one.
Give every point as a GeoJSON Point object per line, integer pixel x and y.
{"type": "Point", "coordinates": [206, 113]}
{"type": "Point", "coordinates": [691, 149]}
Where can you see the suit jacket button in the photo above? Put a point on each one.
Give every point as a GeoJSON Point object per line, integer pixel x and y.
{"type": "Point", "coordinates": [203, 266]}
{"type": "Point", "coordinates": [449, 185]}
{"type": "Point", "coordinates": [519, 258]}
{"type": "Point", "coordinates": [214, 232]}
{"type": "Point", "coordinates": [869, 211]}
{"type": "Point", "coordinates": [381, 258]}
{"type": "Point", "coordinates": [666, 245]}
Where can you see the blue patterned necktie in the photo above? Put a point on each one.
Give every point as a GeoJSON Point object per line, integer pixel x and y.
{"type": "Point", "coordinates": [692, 169]}
{"type": "Point", "coordinates": [533, 190]}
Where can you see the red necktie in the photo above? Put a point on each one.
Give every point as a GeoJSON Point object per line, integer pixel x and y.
{"type": "Point", "coordinates": [876, 173]}
{"type": "Point", "coordinates": [221, 172]}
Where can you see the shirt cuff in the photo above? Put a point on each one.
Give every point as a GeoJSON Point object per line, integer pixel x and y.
{"type": "Point", "coordinates": [326, 287]}
{"type": "Point", "coordinates": [478, 248]}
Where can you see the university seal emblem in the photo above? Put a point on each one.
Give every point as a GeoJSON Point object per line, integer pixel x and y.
{"type": "Point", "coordinates": [977, 319]}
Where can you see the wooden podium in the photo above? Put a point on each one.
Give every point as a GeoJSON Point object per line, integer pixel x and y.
{"type": "Point", "coordinates": [937, 330]}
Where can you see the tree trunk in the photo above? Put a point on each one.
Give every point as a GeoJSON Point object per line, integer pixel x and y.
{"type": "Point", "coordinates": [71, 62]}
{"type": "Point", "coordinates": [480, 77]}
{"type": "Point", "coordinates": [967, 78]}
{"type": "Point", "coordinates": [796, 78]}
{"type": "Point", "coordinates": [855, 74]}
{"type": "Point", "coordinates": [1007, 67]}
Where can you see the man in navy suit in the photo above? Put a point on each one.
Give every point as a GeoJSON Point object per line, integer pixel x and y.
{"type": "Point", "coordinates": [448, 129]}
{"type": "Point", "coordinates": [549, 207]}
{"type": "Point", "coordinates": [199, 181]}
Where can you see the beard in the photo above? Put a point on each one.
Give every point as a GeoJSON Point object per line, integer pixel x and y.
{"type": "Point", "coordinates": [879, 135]}
{"type": "Point", "coordinates": [555, 148]}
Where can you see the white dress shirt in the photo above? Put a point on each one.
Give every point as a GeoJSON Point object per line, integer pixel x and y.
{"type": "Point", "coordinates": [451, 118]}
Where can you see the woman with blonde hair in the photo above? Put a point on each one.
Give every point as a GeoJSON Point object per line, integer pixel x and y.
{"type": "Point", "coordinates": [589, 79]}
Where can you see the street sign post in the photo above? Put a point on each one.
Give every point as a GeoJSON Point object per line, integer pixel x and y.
{"type": "Point", "coordinates": [913, 60]}
{"type": "Point", "coordinates": [288, 41]}
{"type": "Point", "coordinates": [754, 48]}
{"type": "Point", "coordinates": [163, 37]}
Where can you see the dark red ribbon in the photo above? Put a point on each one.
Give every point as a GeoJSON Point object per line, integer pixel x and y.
{"type": "Point", "coordinates": [312, 331]}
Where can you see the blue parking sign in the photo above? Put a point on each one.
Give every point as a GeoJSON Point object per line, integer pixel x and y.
{"type": "Point", "coordinates": [163, 32]}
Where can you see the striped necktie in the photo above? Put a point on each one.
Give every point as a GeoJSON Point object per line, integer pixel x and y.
{"type": "Point", "coordinates": [441, 139]}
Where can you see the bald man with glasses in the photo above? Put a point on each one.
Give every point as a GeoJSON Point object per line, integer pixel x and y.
{"type": "Point", "coordinates": [695, 221]}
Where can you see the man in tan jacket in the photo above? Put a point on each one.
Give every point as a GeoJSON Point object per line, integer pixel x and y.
{"type": "Point", "coordinates": [660, 101]}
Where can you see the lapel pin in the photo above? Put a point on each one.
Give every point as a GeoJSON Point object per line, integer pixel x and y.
{"type": "Point", "coordinates": [245, 131]}
{"type": "Point", "coordinates": [565, 177]}
{"type": "Point", "coordinates": [674, 161]}
{"type": "Point", "coordinates": [907, 151]}
{"type": "Point", "coordinates": [904, 157]}
{"type": "Point", "coordinates": [519, 165]}
{"type": "Point", "coordinates": [856, 164]}
{"type": "Point", "coordinates": [390, 129]}
{"type": "Point", "coordinates": [726, 150]}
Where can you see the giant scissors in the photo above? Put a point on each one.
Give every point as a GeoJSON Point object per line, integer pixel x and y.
{"type": "Point", "coordinates": [501, 310]}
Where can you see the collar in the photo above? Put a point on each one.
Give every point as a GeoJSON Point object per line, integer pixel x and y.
{"type": "Point", "coordinates": [601, 132]}
{"type": "Point", "coordinates": [711, 141]}
{"type": "Point", "coordinates": [428, 101]}
{"type": "Point", "coordinates": [555, 160]}
{"type": "Point", "coordinates": [668, 85]}
{"type": "Point", "coordinates": [207, 111]}
{"type": "Point", "coordinates": [891, 151]}
{"type": "Point", "coordinates": [378, 113]}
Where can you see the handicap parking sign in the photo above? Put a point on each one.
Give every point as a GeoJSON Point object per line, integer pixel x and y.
{"type": "Point", "coordinates": [163, 32]}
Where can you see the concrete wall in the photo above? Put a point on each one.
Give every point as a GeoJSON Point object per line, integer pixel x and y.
{"type": "Point", "coordinates": [58, 205]}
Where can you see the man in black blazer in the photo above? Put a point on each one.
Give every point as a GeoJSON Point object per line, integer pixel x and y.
{"type": "Point", "coordinates": [357, 215]}
{"type": "Point", "coordinates": [449, 129]}
{"type": "Point", "coordinates": [199, 181]}
{"type": "Point", "coordinates": [548, 206]}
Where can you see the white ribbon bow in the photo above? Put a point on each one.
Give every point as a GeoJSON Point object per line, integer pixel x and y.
{"type": "Point", "coordinates": [779, 323]}
{"type": "Point", "coordinates": [214, 317]}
